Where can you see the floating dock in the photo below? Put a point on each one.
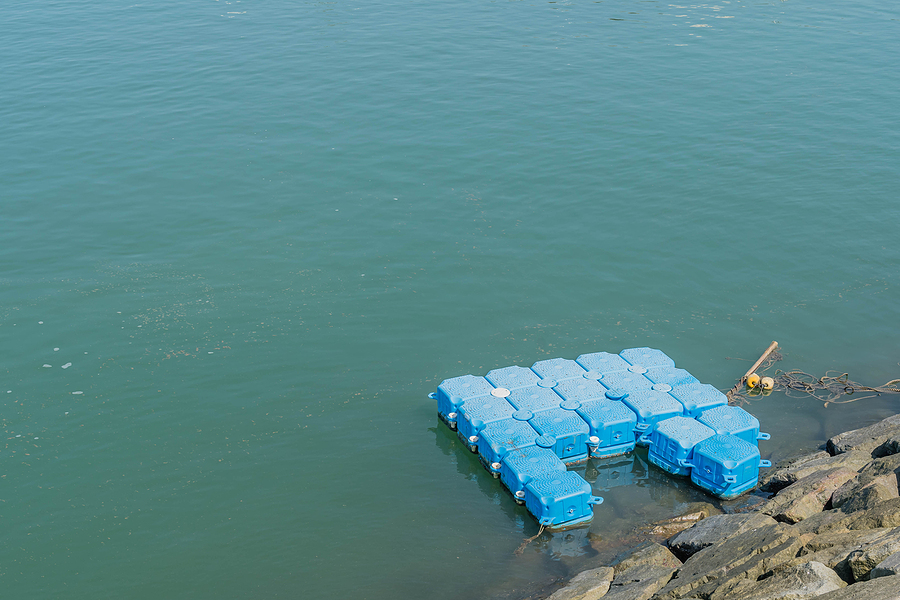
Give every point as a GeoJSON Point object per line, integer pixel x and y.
{"type": "Point", "coordinates": [528, 425]}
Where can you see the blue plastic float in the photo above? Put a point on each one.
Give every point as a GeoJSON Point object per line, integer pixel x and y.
{"type": "Point", "coordinates": [528, 425]}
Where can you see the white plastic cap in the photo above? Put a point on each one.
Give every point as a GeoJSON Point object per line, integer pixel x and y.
{"type": "Point", "coordinates": [473, 438]}
{"type": "Point", "coordinates": [594, 439]}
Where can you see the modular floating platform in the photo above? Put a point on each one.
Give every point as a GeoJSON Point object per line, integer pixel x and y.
{"type": "Point", "coordinates": [528, 425]}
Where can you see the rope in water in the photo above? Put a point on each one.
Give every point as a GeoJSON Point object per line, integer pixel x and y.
{"type": "Point", "coordinates": [828, 389]}
{"type": "Point", "coordinates": [524, 544]}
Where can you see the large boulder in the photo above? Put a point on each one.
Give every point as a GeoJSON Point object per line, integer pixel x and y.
{"type": "Point", "coordinates": [807, 496]}
{"type": "Point", "coordinates": [587, 585]}
{"type": "Point", "coordinates": [639, 582]}
{"type": "Point", "coordinates": [825, 521]}
{"type": "Point", "coordinates": [862, 496]}
{"type": "Point", "coordinates": [649, 553]}
{"type": "Point", "coordinates": [744, 556]}
{"type": "Point", "coordinates": [887, 567]}
{"type": "Point", "coordinates": [714, 530]}
{"type": "Point", "coordinates": [791, 471]}
{"type": "Point", "coordinates": [886, 514]}
{"type": "Point", "coordinates": [865, 559]}
{"type": "Point", "coordinates": [799, 582]}
{"type": "Point", "coordinates": [882, 588]}
{"type": "Point", "coordinates": [872, 439]}
{"type": "Point", "coordinates": [834, 549]}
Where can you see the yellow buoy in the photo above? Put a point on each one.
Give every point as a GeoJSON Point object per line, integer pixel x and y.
{"type": "Point", "coordinates": [767, 383]}
{"type": "Point", "coordinates": [752, 380]}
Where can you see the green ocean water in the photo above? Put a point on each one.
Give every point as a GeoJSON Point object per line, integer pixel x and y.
{"type": "Point", "coordinates": [240, 242]}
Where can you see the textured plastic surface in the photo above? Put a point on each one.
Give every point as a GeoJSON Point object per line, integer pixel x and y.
{"type": "Point", "coordinates": [672, 443]}
{"type": "Point", "coordinates": [670, 376]}
{"type": "Point", "coordinates": [519, 466]}
{"type": "Point", "coordinates": [626, 380]}
{"type": "Point", "coordinates": [613, 423]}
{"type": "Point", "coordinates": [560, 498]}
{"type": "Point", "coordinates": [569, 429]}
{"type": "Point", "coordinates": [512, 378]}
{"type": "Point", "coordinates": [558, 369]}
{"type": "Point", "coordinates": [499, 438]}
{"type": "Point", "coordinates": [581, 389]}
{"type": "Point", "coordinates": [725, 465]}
{"type": "Point", "coordinates": [734, 420]}
{"type": "Point", "coordinates": [534, 398]}
{"type": "Point", "coordinates": [474, 414]}
{"type": "Point", "coordinates": [604, 362]}
{"type": "Point", "coordinates": [698, 397]}
{"type": "Point", "coordinates": [651, 407]}
{"type": "Point", "coordinates": [453, 392]}
{"type": "Point", "coordinates": [647, 357]}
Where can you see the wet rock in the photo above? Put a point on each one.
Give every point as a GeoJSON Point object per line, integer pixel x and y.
{"type": "Point", "coordinates": [867, 439]}
{"type": "Point", "coordinates": [799, 582]}
{"type": "Point", "coordinates": [744, 556]}
{"type": "Point", "coordinates": [714, 530]}
{"type": "Point", "coordinates": [693, 513]}
{"type": "Point", "coordinates": [587, 585]}
{"type": "Point", "coordinates": [886, 514]}
{"type": "Point", "coordinates": [883, 588]}
{"type": "Point", "coordinates": [888, 567]}
{"type": "Point", "coordinates": [807, 496]}
{"type": "Point", "coordinates": [865, 559]}
{"type": "Point", "coordinates": [650, 553]}
{"type": "Point", "coordinates": [786, 473]}
{"type": "Point", "coordinates": [639, 582]}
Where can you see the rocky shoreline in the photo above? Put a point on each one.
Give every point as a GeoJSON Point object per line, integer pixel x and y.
{"type": "Point", "coordinates": [831, 530]}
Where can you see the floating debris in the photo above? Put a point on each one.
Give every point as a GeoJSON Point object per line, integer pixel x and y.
{"type": "Point", "coordinates": [67, 365]}
{"type": "Point", "coordinates": [46, 366]}
{"type": "Point", "coordinates": [77, 393]}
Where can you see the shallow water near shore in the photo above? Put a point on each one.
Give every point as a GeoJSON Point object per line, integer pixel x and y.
{"type": "Point", "coordinates": [243, 241]}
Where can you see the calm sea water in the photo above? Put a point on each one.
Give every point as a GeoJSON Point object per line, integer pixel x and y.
{"type": "Point", "coordinates": [242, 240]}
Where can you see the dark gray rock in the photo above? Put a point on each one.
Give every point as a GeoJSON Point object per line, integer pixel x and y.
{"type": "Point", "coordinates": [649, 553]}
{"type": "Point", "coordinates": [864, 496]}
{"type": "Point", "coordinates": [788, 472]}
{"type": "Point", "coordinates": [886, 514]}
{"type": "Point", "coordinates": [872, 439]}
{"type": "Point", "coordinates": [825, 521]}
{"type": "Point", "coordinates": [888, 567]}
{"type": "Point", "coordinates": [714, 530]}
{"type": "Point", "coordinates": [883, 588]}
{"type": "Point", "coordinates": [834, 549]}
{"type": "Point", "coordinates": [639, 582]}
{"type": "Point", "coordinates": [807, 496]}
{"type": "Point", "coordinates": [799, 582]}
{"type": "Point", "coordinates": [587, 585]}
{"type": "Point", "coordinates": [744, 556]}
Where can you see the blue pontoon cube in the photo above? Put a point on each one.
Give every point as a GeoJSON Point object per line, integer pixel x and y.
{"type": "Point", "coordinates": [734, 420]}
{"type": "Point", "coordinates": [603, 362]}
{"type": "Point", "coordinates": [451, 393]}
{"type": "Point", "coordinates": [513, 378]}
{"type": "Point", "coordinates": [519, 466]}
{"type": "Point", "coordinates": [628, 381]}
{"type": "Point", "coordinates": [726, 466]}
{"type": "Point", "coordinates": [558, 369]}
{"type": "Point", "coordinates": [651, 407]}
{"type": "Point", "coordinates": [476, 413]}
{"type": "Point", "coordinates": [647, 357]}
{"type": "Point", "coordinates": [560, 499]}
{"type": "Point", "coordinates": [611, 426]}
{"type": "Point", "coordinates": [698, 397]}
{"type": "Point", "coordinates": [499, 438]}
{"type": "Point", "coordinates": [534, 398]}
{"type": "Point", "coordinates": [669, 376]}
{"type": "Point", "coordinates": [570, 431]}
{"type": "Point", "coordinates": [672, 443]}
{"type": "Point", "coordinates": [581, 389]}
